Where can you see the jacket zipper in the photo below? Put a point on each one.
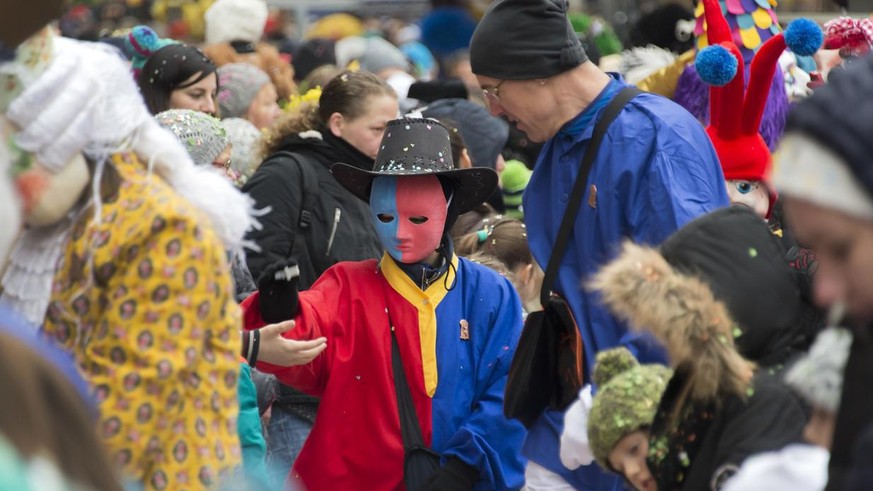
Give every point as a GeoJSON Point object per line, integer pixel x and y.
{"type": "Point", "coordinates": [336, 219]}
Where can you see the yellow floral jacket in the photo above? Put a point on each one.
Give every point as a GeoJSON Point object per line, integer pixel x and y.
{"type": "Point", "coordinates": [143, 300]}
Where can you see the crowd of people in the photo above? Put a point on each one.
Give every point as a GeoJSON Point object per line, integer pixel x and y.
{"type": "Point", "coordinates": [491, 250]}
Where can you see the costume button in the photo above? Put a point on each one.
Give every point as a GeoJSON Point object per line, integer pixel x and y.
{"type": "Point", "coordinates": [565, 158]}
{"type": "Point", "coordinates": [565, 197]}
{"type": "Point", "coordinates": [424, 302]}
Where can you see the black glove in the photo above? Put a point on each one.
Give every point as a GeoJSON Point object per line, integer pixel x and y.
{"type": "Point", "coordinates": [454, 476]}
{"type": "Point", "coordinates": [278, 291]}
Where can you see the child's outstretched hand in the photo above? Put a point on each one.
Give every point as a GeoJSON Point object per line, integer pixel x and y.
{"type": "Point", "coordinates": [277, 350]}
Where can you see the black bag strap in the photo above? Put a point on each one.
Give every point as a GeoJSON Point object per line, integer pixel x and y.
{"type": "Point", "coordinates": [572, 211]}
{"type": "Point", "coordinates": [308, 184]}
{"type": "Point", "coordinates": [410, 428]}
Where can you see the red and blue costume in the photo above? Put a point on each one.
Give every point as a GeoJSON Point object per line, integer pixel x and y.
{"type": "Point", "coordinates": [456, 345]}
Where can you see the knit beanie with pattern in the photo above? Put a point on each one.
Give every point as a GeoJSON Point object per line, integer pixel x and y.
{"type": "Point", "coordinates": [626, 400]}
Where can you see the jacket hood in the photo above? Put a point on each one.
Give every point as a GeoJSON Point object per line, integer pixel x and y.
{"type": "Point", "coordinates": [733, 251]}
{"type": "Point", "coordinates": [680, 310]}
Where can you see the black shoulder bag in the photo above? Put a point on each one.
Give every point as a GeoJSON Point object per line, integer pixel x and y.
{"type": "Point", "coordinates": [546, 371]}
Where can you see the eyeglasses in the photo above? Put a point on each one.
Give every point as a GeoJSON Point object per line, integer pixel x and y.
{"type": "Point", "coordinates": [492, 94]}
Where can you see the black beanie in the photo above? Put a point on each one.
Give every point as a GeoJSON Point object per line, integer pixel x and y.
{"type": "Point", "coordinates": [839, 116]}
{"type": "Point", "coordinates": [525, 40]}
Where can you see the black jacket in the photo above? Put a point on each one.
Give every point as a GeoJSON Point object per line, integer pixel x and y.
{"type": "Point", "coordinates": [712, 442]}
{"type": "Point", "coordinates": [340, 228]}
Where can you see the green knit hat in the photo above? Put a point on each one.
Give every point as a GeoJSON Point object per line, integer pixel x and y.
{"type": "Point", "coordinates": [626, 400]}
{"type": "Point", "coordinates": [514, 180]}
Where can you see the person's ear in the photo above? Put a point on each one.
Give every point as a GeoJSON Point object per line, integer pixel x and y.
{"type": "Point", "coordinates": [335, 124]}
{"type": "Point", "coordinates": [528, 272]}
{"type": "Point", "coordinates": [465, 161]}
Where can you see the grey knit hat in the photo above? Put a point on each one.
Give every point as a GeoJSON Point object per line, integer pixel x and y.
{"type": "Point", "coordinates": [818, 376]}
{"type": "Point", "coordinates": [202, 135]}
{"type": "Point", "coordinates": [381, 54]}
{"type": "Point", "coordinates": [238, 85]}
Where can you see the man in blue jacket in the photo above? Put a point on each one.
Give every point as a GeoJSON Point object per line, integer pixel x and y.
{"type": "Point", "coordinates": [655, 171]}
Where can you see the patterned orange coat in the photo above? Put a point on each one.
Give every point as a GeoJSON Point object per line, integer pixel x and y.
{"type": "Point", "coordinates": [143, 300]}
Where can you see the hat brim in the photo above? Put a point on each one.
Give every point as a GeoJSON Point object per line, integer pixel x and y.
{"type": "Point", "coordinates": [472, 186]}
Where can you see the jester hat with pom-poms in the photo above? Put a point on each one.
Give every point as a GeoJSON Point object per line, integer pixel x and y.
{"type": "Point", "coordinates": [735, 114]}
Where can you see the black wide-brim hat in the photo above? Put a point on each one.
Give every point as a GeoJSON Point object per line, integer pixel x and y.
{"type": "Point", "coordinates": [419, 147]}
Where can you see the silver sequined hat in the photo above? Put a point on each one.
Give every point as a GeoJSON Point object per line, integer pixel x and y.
{"type": "Point", "coordinates": [413, 147]}
{"type": "Point", "coordinates": [202, 135]}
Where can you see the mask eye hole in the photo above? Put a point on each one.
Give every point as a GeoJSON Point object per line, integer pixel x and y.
{"type": "Point", "coordinates": [385, 218]}
{"type": "Point", "coordinates": [418, 220]}
{"type": "Point", "coordinates": [744, 187]}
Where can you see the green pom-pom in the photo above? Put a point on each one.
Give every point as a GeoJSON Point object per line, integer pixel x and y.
{"type": "Point", "coordinates": [611, 363]}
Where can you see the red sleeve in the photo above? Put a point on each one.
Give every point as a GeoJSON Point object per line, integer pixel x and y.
{"type": "Point", "coordinates": [315, 319]}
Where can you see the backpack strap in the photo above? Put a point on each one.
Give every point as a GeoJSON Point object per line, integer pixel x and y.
{"type": "Point", "coordinates": [308, 184]}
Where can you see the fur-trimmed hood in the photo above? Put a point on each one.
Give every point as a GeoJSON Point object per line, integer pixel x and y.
{"type": "Point", "coordinates": [682, 313]}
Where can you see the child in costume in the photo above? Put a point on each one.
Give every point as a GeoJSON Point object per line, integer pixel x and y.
{"type": "Point", "coordinates": [735, 113]}
{"type": "Point", "coordinates": [716, 410]}
{"type": "Point", "coordinates": [456, 324]}
{"type": "Point", "coordinates": [123, 261]}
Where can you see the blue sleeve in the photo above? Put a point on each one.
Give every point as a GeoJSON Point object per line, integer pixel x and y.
{"type": "Point", "coordinates": [677, 190]}
{"type": "Point", "coordinates": [487, 440]}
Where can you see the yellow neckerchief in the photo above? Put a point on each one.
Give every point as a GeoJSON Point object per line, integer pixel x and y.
{"type": "Point", "coordinates": [426, 302]}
